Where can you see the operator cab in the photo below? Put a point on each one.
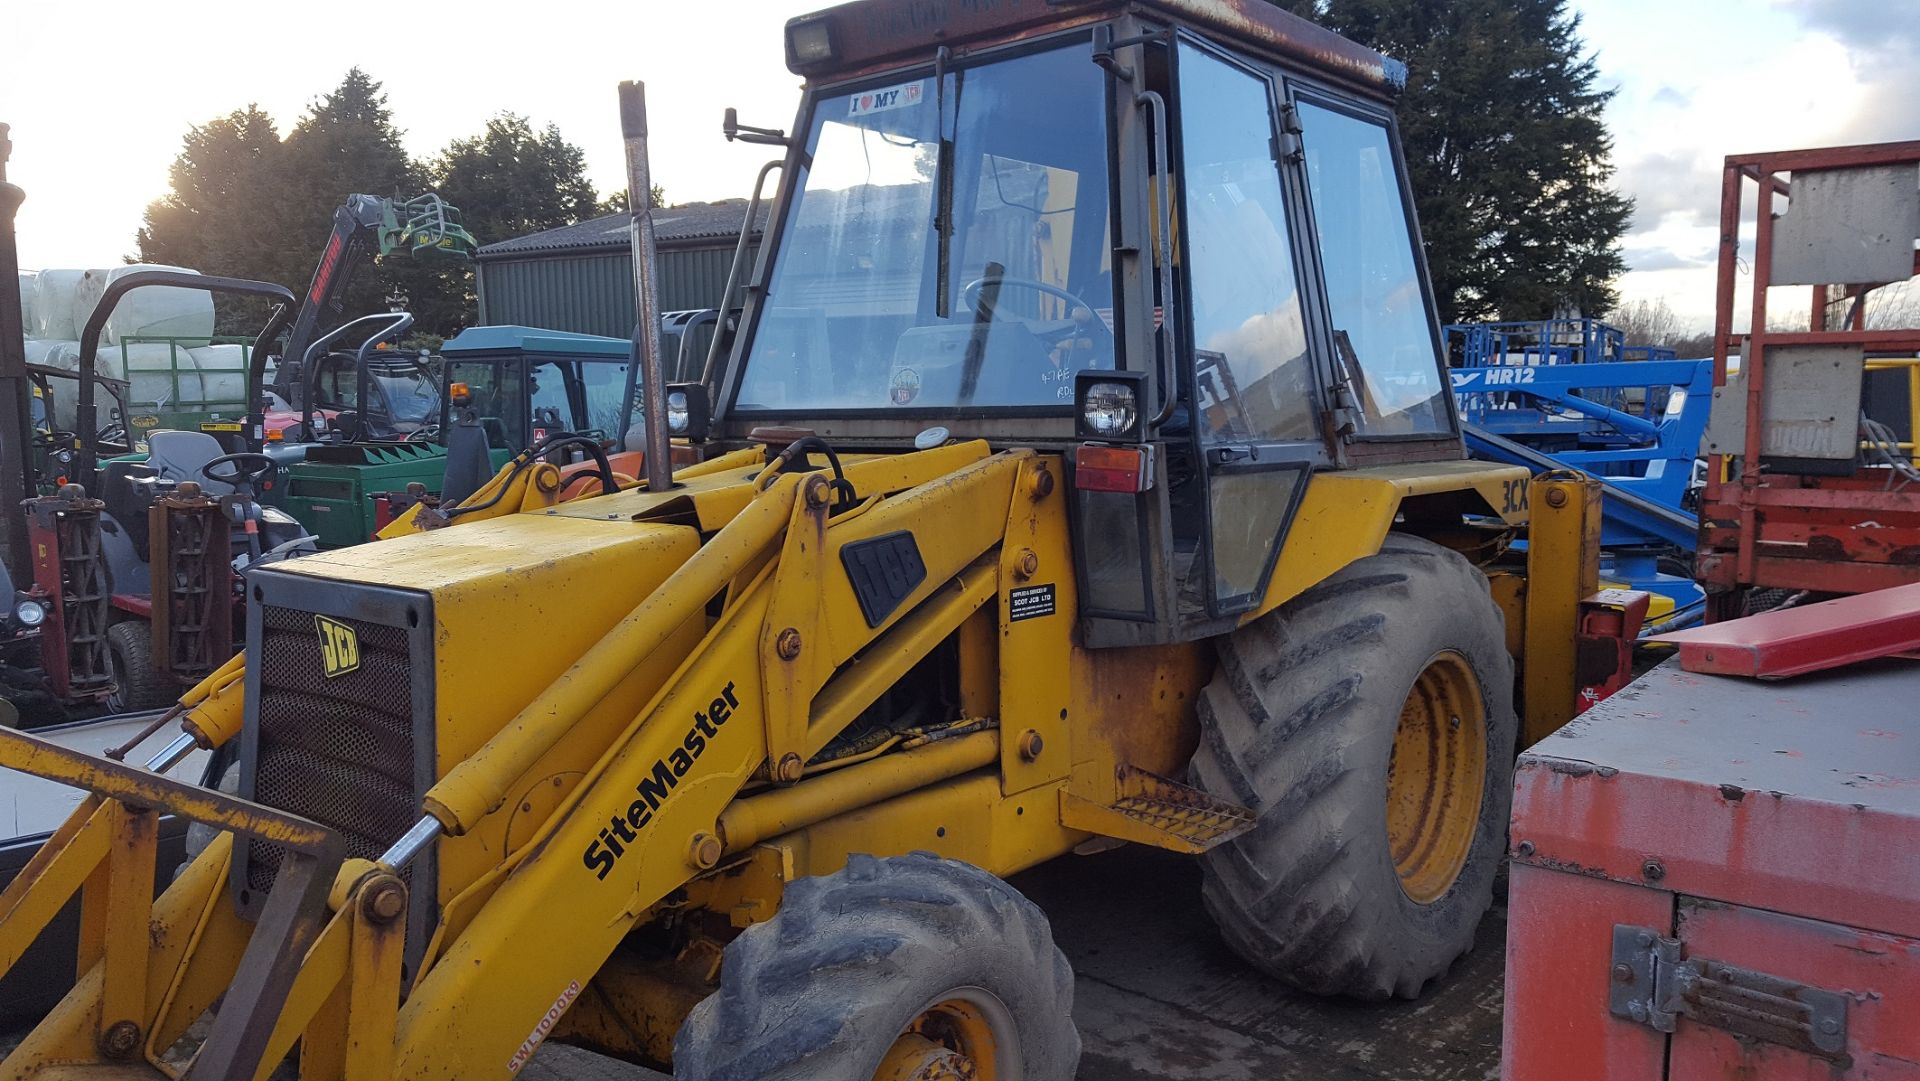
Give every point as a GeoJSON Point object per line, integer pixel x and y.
{"type": "Point", "coordinates": [402, 396]}
{"type": "Point", "coordinates": [1172, 239]}
{"type": "Point", "coordinates": [524, 384]}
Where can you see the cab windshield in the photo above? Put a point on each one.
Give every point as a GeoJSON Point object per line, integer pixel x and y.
{"type": "Point", "coordinates": [947, 249]}
{"type": "Point", "coordinates": [522, 401]}
{"type": "Point", "coordinates": [404, 396]}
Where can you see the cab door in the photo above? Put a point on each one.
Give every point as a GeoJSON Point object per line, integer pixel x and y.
{"type": "Point", "coordinates": [1253, 395]}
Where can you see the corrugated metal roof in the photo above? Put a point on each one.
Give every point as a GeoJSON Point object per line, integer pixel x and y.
{"type": "Point", "coordinates": [672, 225]}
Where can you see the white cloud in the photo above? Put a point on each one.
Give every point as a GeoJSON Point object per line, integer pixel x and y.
{"type": "Point", "coordinates": [1707, 78]}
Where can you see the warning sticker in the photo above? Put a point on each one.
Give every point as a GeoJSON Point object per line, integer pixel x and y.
{"type": "Point", "coordinates": [903, 96]}
{"type": "Point", "coordinates": [1030, 602]}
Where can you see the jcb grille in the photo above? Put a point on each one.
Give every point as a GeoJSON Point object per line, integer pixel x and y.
{"type": "Point", "coordinates": [339, 749]}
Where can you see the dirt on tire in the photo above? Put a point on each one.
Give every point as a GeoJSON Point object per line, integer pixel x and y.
{"type": "Point", "coordinates": [1298, 725]}
{"type": "Point", "coordinates": [822, 990]}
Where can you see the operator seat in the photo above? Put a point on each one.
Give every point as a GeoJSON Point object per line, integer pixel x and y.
{"type": "Point", "coordinates": [180, 455]}
{"type": "Point", "coordinates": [129, 488]}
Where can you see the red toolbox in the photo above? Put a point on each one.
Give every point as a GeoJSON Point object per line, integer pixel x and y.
{"type": "Point", "coordinates": [1715, 877]}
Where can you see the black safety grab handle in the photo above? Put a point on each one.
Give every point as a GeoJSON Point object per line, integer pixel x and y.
{"type": "Point", "coordinates": [140, 279]}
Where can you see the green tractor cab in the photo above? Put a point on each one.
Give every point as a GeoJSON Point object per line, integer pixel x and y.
{"type": "Point", "coordinates": [524, 384]}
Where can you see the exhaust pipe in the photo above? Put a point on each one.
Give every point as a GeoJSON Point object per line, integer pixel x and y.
{"type": "Point", "coordinates": [646, 297]}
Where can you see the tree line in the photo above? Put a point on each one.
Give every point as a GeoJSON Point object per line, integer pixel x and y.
{"type": "Point", "coordinates": [1501, 122]}
{"type": "Point", "coordinates": [245, 202]}
{"type": "Point", "coordinates": [1507, 151]}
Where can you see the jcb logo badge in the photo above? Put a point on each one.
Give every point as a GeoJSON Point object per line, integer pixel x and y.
{"type": "Point", "coordinates": [339, 646]}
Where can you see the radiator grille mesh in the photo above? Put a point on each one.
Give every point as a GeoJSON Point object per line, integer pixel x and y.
{"type": "Point", "coordinates": [337, 750]}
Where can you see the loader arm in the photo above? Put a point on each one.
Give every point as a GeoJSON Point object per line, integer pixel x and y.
{"type": "Point", "coordinates": [815, 618]}
{"type": "Point", "coordinates": [634, 829]}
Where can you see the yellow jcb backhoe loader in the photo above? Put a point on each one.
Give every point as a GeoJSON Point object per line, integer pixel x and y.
{"type": "Point", "coordinates": [1085, 471]}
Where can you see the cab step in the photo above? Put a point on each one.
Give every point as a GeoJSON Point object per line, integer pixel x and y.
{"type": "Point", "coordinates": [1153, 810]}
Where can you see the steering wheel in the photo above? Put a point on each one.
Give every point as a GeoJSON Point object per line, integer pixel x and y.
{"type": "Point", "coordinates": [1052, 331]}
{"type": "Point", "coordinates": [248, 467]}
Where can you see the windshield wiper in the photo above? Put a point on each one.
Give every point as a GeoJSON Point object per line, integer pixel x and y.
{"type": "Point", "coordinates": [943, 181]}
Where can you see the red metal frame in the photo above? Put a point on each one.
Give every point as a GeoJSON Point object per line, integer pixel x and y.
{"type": "Point", "coordinates": [1770, 529]}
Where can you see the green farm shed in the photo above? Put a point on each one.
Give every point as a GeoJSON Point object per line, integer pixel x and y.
{"type": "Point", "coordinates": [579, 278]}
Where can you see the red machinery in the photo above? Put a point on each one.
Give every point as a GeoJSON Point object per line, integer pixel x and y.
{"type": "Point", "coordinates": [1715, 875]}
{"type": "Point", "coordinates": [1790, 501]}
{"type": "Point", "coordinates": [1720, 877]}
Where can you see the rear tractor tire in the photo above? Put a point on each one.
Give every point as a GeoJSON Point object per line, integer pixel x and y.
{"type": "Point", "coordinates": [137, 683]}
{"type": "Point", "coordinates": [892, 969]}
{"type": "Point", "coordinates": [1369, 723]}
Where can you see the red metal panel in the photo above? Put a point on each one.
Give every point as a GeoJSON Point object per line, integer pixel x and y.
{"type": "Point", "coordinates": [1559, 942]}
{"type": "Point", "coordinates": [1794, 641]}
{"type": "Point", "coordinates": [1801, 797]}
{"type": "Point", "coordinates": [1815, 574]}
{"type": "Point", "coordinates": [1880, 975]}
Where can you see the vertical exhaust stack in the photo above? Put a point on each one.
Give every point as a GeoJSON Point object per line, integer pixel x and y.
{"type": "Point", "coordinates": [646, 302]}
{"type": "Point", "coordinates": [16, 421]}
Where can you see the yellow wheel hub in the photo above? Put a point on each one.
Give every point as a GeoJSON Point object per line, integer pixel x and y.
{"type": "Point", "coordinates": [1436, 776]}
{"type": "Point", "coordinates": [952, 1040]}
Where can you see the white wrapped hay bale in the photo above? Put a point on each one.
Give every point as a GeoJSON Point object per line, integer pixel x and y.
{"type": "Point", "coordinates": [64, 355]}
{"type": "Point", "coordinates": [38, 348]}
{"type": "Point", "coordinates": [223, 375]}
{"type": "Point", "coordinates": [151, 312]}
{"type": "Point", "coordinates": [53, 305]}
{"type": "Point", "coordinates": [159, 376]}
{"type": "Point", "coordinates": [26, 300]}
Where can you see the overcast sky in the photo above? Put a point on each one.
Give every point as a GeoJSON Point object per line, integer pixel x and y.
{"type": "Point", "coordinates": [100, 93]}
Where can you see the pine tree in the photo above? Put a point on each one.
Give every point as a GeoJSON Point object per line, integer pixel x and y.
{"type": "Point", "coordinates": [1508, 154]}
{"type": "Point", "coordinates": [511, 180]}
{"type": "Point", "coordinates": [345, 144]}
{"type": "Point", "coordinates": [228, 170]}
{"type": "Point", "coordinates": [507, 181]}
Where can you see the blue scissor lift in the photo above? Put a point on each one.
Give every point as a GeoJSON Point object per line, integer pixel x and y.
{"type": "Point", "coordinates": [1570, 394]}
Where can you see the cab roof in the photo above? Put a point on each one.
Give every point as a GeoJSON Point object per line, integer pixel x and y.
{"type": "Point", "coordinates": [501, 339]}
{"type": "Point", "coordinates": [868, 33]}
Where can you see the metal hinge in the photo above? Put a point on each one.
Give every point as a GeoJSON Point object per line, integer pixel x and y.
{"type": "Point", "coordinates": [1653, 985]}
{"type": "Point", "coordinates": [1289, 147]}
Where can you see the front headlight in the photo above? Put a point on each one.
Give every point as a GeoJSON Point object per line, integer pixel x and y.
{"type": "Point", "coordinates": [677, 413]}
{"type": "Point", "coordinates": [29, 613]}
{"type": "Point", "coordinates": [1109, 409]}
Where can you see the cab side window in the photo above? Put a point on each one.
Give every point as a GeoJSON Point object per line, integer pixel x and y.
{"type": "Point", "coordinates": [1381, 333]}
{"type": "Point", "coordinates": [1252, 377]}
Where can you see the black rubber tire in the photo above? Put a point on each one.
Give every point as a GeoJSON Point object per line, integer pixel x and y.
{"type": "Point", "coordinates": [820, 991]}
{"type": "Point", "coordinates": [140, 685]}
{"type": "Point", "coordinates": [1298, 724]}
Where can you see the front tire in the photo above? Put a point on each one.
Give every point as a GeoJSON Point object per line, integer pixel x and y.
{"type": "Point", "coordinates": [1370, 724]}
{"type": "Point", "coordinates": [892, 967]}
{"type": "Point", "coordinates": [137, 683]}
